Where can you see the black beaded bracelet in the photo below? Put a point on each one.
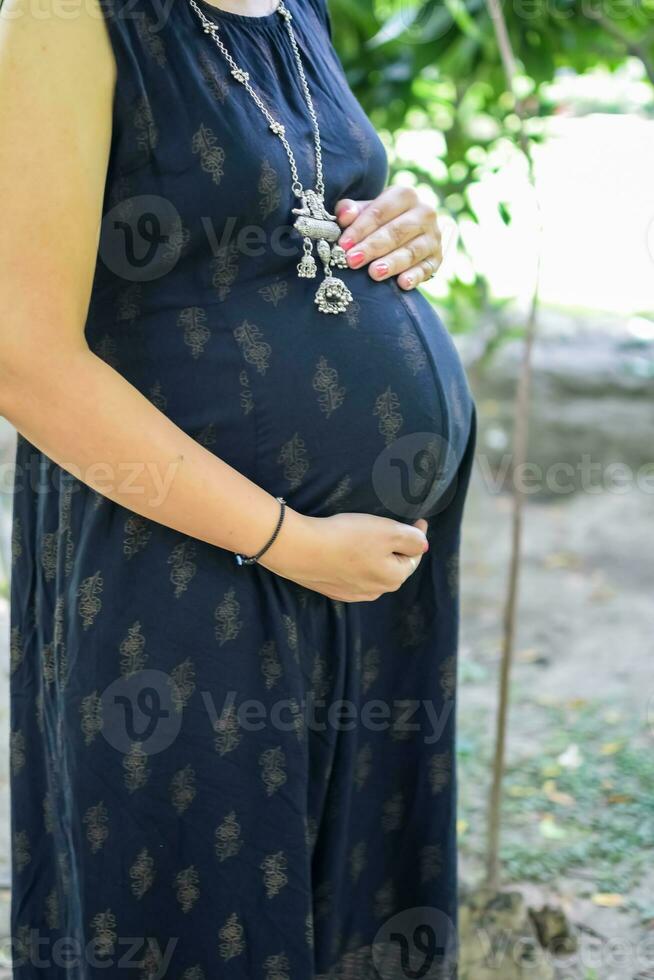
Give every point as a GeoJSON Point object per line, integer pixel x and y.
{"type": "Point", "coordinates": [242, 560]}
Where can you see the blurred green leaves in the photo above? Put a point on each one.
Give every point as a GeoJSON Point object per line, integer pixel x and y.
{"type": "Point", "coordinates": [435, 66]}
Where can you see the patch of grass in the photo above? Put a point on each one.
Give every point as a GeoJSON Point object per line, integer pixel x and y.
{"type": "Point", "coordinates": [585, 800]}
{"type": "Point", "coordinates": [644, 910]}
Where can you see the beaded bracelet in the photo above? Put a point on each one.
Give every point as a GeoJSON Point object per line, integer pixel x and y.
{"type": "Point", "coordinates": [242, 560]}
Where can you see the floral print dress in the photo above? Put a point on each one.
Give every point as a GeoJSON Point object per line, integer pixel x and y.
{"type": "Point", "coordinates": [218, 774]}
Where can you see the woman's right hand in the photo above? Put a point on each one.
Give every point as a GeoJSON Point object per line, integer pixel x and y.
{"type": "Point", "coordinates": [69, 402]}
{"type": "Point", "coordinates": [350, 557]}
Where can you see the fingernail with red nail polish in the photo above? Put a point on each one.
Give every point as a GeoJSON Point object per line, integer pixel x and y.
{"type": "Point", "coordinates": [381, 269]}
{"type": "Point", "coordinates": [346, 243]}
{"type": "Point", "coordinates": [356, 258]}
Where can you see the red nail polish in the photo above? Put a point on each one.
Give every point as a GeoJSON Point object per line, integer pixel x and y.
{"type": "Point", "coordinates": [346, 243]}
{"type": "Point", "coordinates": [381, 269]}
{"type": "Point", "coordinates": [355, 258]}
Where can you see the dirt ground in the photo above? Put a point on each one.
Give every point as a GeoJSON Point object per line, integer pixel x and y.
{"type": "Point", "coordinates": [585, 642]}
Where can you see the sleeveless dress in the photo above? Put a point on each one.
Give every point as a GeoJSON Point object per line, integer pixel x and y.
{"type": "Point", "coordinates": [216, 773]}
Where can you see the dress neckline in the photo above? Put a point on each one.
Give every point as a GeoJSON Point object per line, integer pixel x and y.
{"type": "Point", "coordinates": [229, 15]}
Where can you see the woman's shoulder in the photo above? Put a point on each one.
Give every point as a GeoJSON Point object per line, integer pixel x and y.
{"type": "Point", "coordinates": [321, 9]}
{"type": "Point", "coordinates": [141, 32]}
{"type": "Point", "coordinates": [126, 14]}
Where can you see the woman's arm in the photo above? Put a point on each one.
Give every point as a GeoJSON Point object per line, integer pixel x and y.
{"type": "Point", "coordinates": [59, 67]}
{"type": "Point", "coordinates": [56, 132]}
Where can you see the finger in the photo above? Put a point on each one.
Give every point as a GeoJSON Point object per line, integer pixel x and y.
{"type": "Point", "coordinates": [408, 565]}
{"type": "Point", "coordinates": [395, 233]}
{"type": "Point", "coordinates": [407, 256]}
{"type": "Point", "coordinates": [391, 202]}
{"type": "Point", "coordinates": [421, 524]}
{"type": "Point", "coordinates": [410, 540]}
{"type": "Point", "coordinates": [347, 210]}
{"type": "Point", "coordinates": [421, 272]}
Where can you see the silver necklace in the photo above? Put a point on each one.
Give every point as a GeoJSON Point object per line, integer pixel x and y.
{"type": "Point", "coordinates": [313, 221]}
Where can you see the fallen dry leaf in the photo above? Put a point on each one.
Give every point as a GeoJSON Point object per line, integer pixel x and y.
{"type": "Point", "coordinates": [557, 795]}
{"type": "Point", "coordinates": [607, 900]}
{"type": "Point", "coordinates": [562, 559]}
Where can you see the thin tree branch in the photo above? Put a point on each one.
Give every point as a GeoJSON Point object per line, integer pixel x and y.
{"type": "Point", "coordinates": [520, 446]}
{"type": "Point", "coordinates": [503, 43]}
{"type": "Point", "coordinates": [636, 49]}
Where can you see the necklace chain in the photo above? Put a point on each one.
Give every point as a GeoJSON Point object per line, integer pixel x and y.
{"type": "Point", "coordinates": [313, 221]}
{"type": "Point", "coordinates": [211, 28]}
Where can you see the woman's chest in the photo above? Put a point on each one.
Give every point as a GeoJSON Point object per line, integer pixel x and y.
{"type": "Point", "coordinates": [188, 130]}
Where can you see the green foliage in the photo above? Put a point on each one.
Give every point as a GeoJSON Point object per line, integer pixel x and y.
{"type": "Point", "coordinates": [441, 55]}
{"type": "Point", "coordinates": [435, 65]}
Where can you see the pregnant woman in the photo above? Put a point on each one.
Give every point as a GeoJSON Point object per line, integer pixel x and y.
{"type": "Point", "coordinates": [244, 446]}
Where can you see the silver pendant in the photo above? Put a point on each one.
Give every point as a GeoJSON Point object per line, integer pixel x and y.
{"type": "Point", "coordinates": [307, 266]}
{"type": "Point", "coordinates": [339, 257]}
{"type": "Point", "coordinates": [315, 223]}
{"type": "Point", "coordinates": [333, 296]}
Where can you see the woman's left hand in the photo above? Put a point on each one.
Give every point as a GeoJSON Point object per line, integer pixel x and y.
{"type": "Point", "coordinates": [396, 233]}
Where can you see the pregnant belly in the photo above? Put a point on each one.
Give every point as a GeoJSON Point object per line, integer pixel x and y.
{"type": "Point", "coordinates": [365, 411]}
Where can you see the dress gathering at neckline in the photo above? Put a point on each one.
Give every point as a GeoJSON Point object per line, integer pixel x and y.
{"type": "Point", "coordinates": [229, 15]}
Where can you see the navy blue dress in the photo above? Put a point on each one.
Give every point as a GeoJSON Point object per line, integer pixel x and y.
{"type": "Point", "coordinates": [218, 774]}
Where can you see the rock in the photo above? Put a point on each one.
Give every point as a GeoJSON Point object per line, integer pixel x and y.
{"type": "Point", "coordinates": [498, 939]}
{"type": "Point", "coordinates": [592, 406]}
{"type": "Point", "coordinates": [554, 931]}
